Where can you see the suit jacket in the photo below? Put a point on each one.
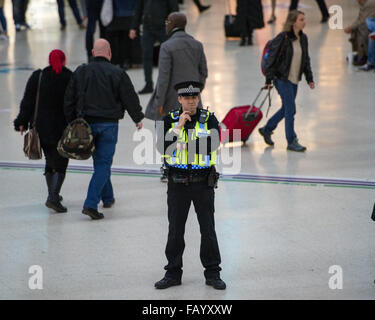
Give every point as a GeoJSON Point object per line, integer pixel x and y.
{"type": "Point", "coordinates": [181, 59]}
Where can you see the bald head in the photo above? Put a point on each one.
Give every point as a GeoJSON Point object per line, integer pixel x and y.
{"type": "Point", "coordinates": [102, 49]}
{"type": "Point", "coordinates": [176, 20]}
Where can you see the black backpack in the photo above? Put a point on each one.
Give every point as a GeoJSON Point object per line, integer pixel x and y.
{"type": "Point", "coordinates": [77, 141]}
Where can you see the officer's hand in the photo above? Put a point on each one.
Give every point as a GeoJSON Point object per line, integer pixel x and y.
{"type": "Point", "coordinates": [22, 129]}
{"type": "Point", "coordinates": [185, 116]}
{"type": "Point", "coordinates": [132, 33]}
{"type": "Point", "coordinates": [312, 85]}
{"type": "Point", "coordinates": [139, 125]}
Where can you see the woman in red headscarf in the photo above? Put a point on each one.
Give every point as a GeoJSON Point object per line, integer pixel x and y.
{"type": "Point", "coordinates": [50, 120]}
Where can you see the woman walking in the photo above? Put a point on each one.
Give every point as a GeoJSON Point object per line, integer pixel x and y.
{"type": "Point", "coordinates": [287, 60]}
{"type": "Point", "coordinates": [50, 120]}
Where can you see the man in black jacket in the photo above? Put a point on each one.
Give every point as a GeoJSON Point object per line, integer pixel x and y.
{"type": "Point", "coordinates": [152, 14]}
{"type": "Point", "coordinates": [107, 92]}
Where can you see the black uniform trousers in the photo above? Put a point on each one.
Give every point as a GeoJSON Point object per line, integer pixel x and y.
{"type": "Point", "coordinates": [179, 200]}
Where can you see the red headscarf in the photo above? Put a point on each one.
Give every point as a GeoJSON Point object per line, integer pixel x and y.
{"type": "Point", "coordinates": [57, 60]}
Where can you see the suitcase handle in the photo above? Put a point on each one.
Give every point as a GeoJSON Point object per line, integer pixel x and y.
{"type": "Point", "coordinates": [253, 117]}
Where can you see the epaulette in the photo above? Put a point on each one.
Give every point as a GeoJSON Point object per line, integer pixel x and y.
{"type": "Point", "coordinates": [175, 114]}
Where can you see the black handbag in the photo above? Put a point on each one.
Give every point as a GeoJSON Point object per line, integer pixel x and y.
{"type": "Point", "coordinates": [31, 142]}
{"type": "Point", "coordinates": [231, 26]}
{"type": "Point", "coordinates": [373, 213]}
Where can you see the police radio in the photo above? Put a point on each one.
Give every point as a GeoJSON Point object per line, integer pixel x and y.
{"type": "Point", "coordinates": [203, 115]}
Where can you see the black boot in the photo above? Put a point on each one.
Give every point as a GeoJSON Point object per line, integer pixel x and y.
{"type": "Point", "coordinates": [147, 89]}
{"type": "Point", "coordinates": [54, 183]}
{"type": "Point", "coordinates": [250, 39]}
{"type": "Point", "coordinates": [242, 42]}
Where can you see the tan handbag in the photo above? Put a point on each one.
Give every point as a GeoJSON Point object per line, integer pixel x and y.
{"type": "Point", "coordinates": [31, 143]}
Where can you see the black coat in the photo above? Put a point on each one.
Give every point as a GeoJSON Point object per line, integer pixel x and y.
{"type": "Point", "coordinates": [108, 93]}
{"type": "Point", "coordinates": [252, 11]}
{"type": "Point", "coordinates": [281, 54]}
{"type": "Point", "coordinates": [153, 13]}
{"type": "Point", "coordinates": [50, 122]}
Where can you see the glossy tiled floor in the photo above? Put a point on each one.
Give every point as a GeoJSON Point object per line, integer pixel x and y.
{"type": "Point", "coordinates": [281, 224]}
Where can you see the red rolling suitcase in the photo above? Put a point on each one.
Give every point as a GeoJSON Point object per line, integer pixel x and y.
{"type": "Point", "coordinates": [240, 122]}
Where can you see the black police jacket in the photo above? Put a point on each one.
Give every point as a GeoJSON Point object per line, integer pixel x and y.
{"type": "Point", "coordinates": [108, 93]}
{"type": "Point", "coordinates": [281, 54]}
{"type": "Point", "coordinates": [153, 13]}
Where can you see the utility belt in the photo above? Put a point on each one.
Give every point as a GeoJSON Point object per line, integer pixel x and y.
{"type": "Point", "coordinates": [210, 176]}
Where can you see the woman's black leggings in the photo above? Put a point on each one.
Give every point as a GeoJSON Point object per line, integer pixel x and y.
{"type": "Point", "coordinates": [54, 161]}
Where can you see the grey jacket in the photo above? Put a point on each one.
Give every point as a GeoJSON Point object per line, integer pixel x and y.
{"type": "Point", "coordinates": [181, 59]}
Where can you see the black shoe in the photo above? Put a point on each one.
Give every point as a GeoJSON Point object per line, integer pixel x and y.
{"type": "Point", "coordinates": [203, 8]}
{"type": "Point", "coordinates": [63, 27]}
{"type": "Point", "coordinates": [57, 206]}
{"type": "Point", "coordinates": [109, 204]}
{"type": "Point", "coordinates": [266, 136]}
{"type": "Point", "coordinates": [94, 214]}
{"type": "Point", "coordinates": [295, 146]}
{"type": "Point", "coordinates": [272, 20]}
{"type": "Point", "coordinates": [217, 283]}
{"type": "Point", "coordinates": [324, 19]}
{"type": "Point", "coordinates": [147, 89]}
{"type": "Point", "coordinates": [167, 282]}
{"type": "Point", "coordinates": [373, 213]}
{"type": "Point", "coordinates": [164, 178]}
{"type": "Point", "coordinates": [242, 42]}
{"type": "Point", "coordinates": [250, 41]}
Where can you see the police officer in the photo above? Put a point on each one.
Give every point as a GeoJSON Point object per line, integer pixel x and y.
{"type": "Point", "coordinates": [191, 140]}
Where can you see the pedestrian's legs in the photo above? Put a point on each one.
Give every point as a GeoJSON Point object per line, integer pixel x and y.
{"type": "Point", "coordinates": [25, 4]}
{"type": "Point", "coordinates": [293, 5]}
{"type": "Point", "coordinates": [76, 13]}
{"type": "Point", "coordinates": [323, 8]}
{"type": "Point", "coordinates": [17, 11]}
{"type": "Point", "coordinates": [107, 192]}
{"type": "Point", "coordinates": [203, 199]}
{"type": "Point", "coordinates": [113, 39]}
{"type": "Point", "coordinates": [3, 21]}
{"type": "Point", "coordinates": [371, 46]}
{"type": "Point", "coordinates": [61, 10]}
{"type": "Point", "coordinates": [92, 17]}
{"type": "Point", "coordinates": [288, 93]}
{"type": "Point", "coordinates": [105, 136]}
{"type": "Point", "coordinates": [278, 116]}
{"type": "Point", "coordinates": [148, 41]}
{"type": "Point", "coordinates": [178, 208]}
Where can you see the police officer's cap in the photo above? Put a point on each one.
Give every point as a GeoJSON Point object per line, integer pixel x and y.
{"type": "Point", "coordinates": [189, 88]}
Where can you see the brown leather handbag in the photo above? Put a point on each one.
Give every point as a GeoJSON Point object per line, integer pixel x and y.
{"type": "Point", "coordinates": [31, 144]}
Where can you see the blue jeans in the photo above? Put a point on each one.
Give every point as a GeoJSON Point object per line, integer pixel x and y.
{"type": "Point", "coordinates": [100, 188]}
{"type": "Point", "coordinates": [73, 5]}
{"type": "Point", "coordinates": [288, 92]}
{"type": "Point", "coordinates": [3, 21]}
{"type": "Point", "coordinates": [371, 44]}
{"type": "Point", "coordinates": [149, 37]}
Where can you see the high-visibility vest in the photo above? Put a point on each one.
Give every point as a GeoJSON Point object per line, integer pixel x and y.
{"type": "Point", "coordinates": [179, 158]}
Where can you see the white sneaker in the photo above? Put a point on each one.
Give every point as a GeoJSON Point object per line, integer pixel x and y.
{"type": "Point", "coordinates": [3, 37]}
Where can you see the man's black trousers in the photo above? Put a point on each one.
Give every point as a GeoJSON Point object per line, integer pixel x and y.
{"type": "Point", "coordinates": [179, 200]}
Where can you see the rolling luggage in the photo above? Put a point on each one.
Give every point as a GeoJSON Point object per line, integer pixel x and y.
{"type": "Point", "coordinates": [240, 121]}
